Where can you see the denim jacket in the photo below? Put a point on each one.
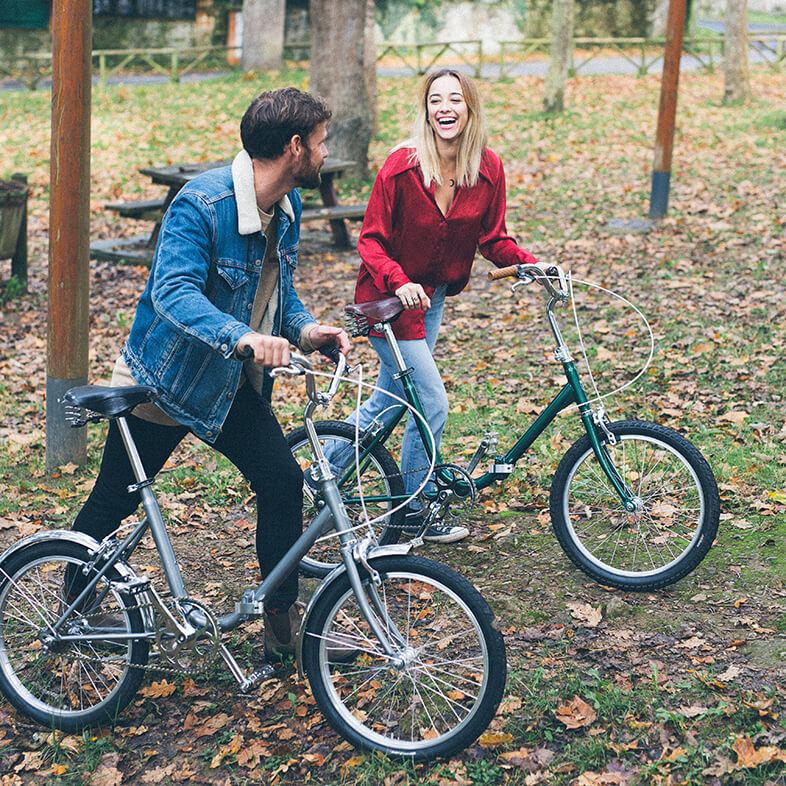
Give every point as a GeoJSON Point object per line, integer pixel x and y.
{"type": "Point", "coordinates": [198, 300]}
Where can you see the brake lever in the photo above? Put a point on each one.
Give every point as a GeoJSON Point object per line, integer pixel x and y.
{"type": "Point", "coordinates": [523, 280]}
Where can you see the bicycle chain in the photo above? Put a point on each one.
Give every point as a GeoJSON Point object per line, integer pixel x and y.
{"type": "Point", "coordinates": [143, 666]}
{"type": "Point", "coordinates": [441, 514]}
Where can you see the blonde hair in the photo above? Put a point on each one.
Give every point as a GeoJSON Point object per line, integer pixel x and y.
{"type": "Point", "coordinates": [471, 143]}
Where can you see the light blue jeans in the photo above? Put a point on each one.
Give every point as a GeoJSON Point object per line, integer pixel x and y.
{"type": "Point", "coordinates": [417, 355]}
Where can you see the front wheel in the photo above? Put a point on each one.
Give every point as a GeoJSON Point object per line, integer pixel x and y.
{"type": "Point", "coordinates": [380, 483]}
{"type": "Point", "coordinates": [69, 678]}
{"type": "Point", "coordinates": [439, 689]}
{"type": "Point", "coordinates": [676, 516]}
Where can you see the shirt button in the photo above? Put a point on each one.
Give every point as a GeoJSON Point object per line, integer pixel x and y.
{"type": "Point", "coordinates": [249, 306]}
{"type": "Point", "coordinates": [257, 262]}
{"type": "Point", "coordinates": [224, 347]}
{"type": "Point", "coordinates": [230, 394]}
{"type": "Point", "coordinates": [209, 433]}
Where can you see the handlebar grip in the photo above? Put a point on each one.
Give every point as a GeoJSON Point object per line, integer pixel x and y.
{"type": "Point", "coordinates": [331, 352]}
{"type": "Point", "coordinates": [503, 272]}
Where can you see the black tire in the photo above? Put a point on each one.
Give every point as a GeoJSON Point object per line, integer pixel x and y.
{"type": "Point", "coordinates": [75, 685]}
{"type": "Point", "coordinates": [654, 546]}
{"type": "Point", "coordinates": [381, 478]}
{"type": "Point", "coordinates": [443, 694]}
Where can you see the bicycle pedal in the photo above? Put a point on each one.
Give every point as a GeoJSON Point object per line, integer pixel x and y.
{"type": "Point", "coordinates": [253, 680]}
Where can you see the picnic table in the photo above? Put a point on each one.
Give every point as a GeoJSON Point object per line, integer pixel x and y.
{"type": "Point", "coordinates": [140, 249]}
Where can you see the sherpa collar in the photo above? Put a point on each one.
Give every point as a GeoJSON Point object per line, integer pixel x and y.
{"type": "Point", "coordinates": [248, 220]}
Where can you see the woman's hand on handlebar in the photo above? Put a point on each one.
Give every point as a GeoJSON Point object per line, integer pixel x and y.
{"type": "Point", "coordinates": [413, 296]}
{"type": "Point", "coordinates": [551, 276]}
{"type": "Point", "coordinates": [551, 272]}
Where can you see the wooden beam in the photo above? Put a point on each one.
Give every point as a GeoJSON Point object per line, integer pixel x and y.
{"type": "Point", "coordinates": [667, 110]}
{"type": "Point", "coordinates": [69, 224]}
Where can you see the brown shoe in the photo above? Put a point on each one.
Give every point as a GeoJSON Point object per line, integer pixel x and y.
{"type": "Point", "coordinates": [281, 633]}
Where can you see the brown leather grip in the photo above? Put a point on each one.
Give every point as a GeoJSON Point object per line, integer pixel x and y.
{"type": "Point", "coordinates": [503, 272]}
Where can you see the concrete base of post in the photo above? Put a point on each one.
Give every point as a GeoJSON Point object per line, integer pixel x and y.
{"type": "Point", "coordinates": [659, 194]}
{"type": "Point", "coordinates": [63, 443]}
{"type": "Point", "coordinates": [628, 226]}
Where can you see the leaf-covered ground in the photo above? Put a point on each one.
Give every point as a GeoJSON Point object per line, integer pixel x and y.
{"type": "Point", "coordinates": [684, 685]}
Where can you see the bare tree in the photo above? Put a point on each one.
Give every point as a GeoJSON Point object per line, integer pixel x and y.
{"type": "Point", "coordinates": [343, 71]}
{"type": "Point", "coordinates": [559, 55]}
{"type": "Point", "coordinates": [735, 52]}
{"type": "Point", "coordinates": [263, 34]}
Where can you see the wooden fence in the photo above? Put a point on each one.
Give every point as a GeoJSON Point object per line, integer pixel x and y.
{"type": "Point", "coordinates": [643, 54]}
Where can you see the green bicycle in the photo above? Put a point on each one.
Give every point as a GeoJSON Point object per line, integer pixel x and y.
{"type": "Point", "coordinates": [633, 504]}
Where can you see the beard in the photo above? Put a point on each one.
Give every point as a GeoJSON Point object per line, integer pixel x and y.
{"type": "Point", "coordinates": [308, 175]}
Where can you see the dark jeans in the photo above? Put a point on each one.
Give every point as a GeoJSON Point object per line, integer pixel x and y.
{"type": "Point", "coordinates": [252, 440]}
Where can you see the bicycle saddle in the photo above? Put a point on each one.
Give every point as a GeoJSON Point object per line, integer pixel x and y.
{"type": "Point", "coordinates": [377, 310]}
{"type": "Point", "coordinates": [110, 402]}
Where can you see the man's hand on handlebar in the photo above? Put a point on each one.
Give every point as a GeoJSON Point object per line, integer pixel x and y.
{"type": "Point", "coordinates": [268, 351]}
{"type": "Point", "coordinates": [326, 336]}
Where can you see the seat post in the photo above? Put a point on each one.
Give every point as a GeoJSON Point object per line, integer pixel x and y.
{"type": "Point", "coordinates": [153, 512]}
{"type": "Point", "coordinates": [387, 331]}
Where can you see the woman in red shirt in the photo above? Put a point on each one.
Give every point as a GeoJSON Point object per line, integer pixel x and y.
{"type": "Point", "coordinates": [438, 198]}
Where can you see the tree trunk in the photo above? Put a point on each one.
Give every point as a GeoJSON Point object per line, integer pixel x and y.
{"type": "Point", "coordinates": [263, 35]}
{"type": "Point", "coordinates": [735, 52]}
{"type": "Point", "coordinates": [343, 71]}
{"type": "Point", "coordinates": [559, 55]}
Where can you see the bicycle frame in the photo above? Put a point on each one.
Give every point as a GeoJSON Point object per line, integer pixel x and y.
{"type": "Point", "coordinates": [110, 553]}
{"type": "Point", "coordinates": [502, 465]}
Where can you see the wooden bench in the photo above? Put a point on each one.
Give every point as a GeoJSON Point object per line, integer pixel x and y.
{"type": "Point", "coordinates": [335, 213]}
{"type": "Point", "coordinates": [128, 250]}
{"type": "Point", "coordinates": [140, 250]}
{"type": "Point", "coordinates": [146, 209]}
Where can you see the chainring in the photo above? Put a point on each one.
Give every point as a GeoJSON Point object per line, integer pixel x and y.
{"type": "Point", "coordinates": [195, 653]}
{"type": "Point", "coordinates": [455, 495]}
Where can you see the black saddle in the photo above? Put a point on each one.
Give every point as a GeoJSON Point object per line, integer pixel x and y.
{"type": "Point", "coordinates": [110, 402]}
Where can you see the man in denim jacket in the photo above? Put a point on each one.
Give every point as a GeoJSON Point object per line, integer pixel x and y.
{"type": "Point", "coordinates": [221, 286]}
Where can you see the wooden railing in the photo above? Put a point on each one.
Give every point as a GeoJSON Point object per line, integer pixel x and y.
{"type": "Point", "coordinates": [31, 69]}
{"type": "Point", "coordinates": [643, 53]}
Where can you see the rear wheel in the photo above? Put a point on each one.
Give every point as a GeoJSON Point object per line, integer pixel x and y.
{"type": "Point", "coordinates": [440, 688]}
{"type": "Point", "coordinates": [677, 513]}
{"type": "Point", "coordinates": [381, 485]}
{"type": "Point", "coordinates": [75, 684]}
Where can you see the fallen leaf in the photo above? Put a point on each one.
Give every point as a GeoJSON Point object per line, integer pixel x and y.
{"type": "Point", "coordinates": [585, 613]}
{"type": "Point", "coordinates": [576, 713]}
{"type": "Point", "coordinates": [735, 416]}
{"type": "Point", "coordinates": [491, 739]}
{"type": "Point", "coordinates": [730, 674]}
{"type": "Point", "coordinates": [158, 690]}
{"type": "Point", "coordinates": [748, 756]}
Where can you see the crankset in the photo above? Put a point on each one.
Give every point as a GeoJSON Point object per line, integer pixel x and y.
{"type": "Point", "coordinates": [452, 494]}
{"type": "Point", "coordinates": [189, 653]}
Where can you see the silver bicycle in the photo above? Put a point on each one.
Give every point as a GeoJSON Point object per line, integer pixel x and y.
{"type": "Point", "coordinates": [400, 651]}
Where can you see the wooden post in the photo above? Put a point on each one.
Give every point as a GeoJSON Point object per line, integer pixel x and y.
{"type": "Point", "coordinates": [69, 224]}
{"type": "Point", "coordinates": [19, 259]}
{"type": "Point", "coordinates": [664, 135]}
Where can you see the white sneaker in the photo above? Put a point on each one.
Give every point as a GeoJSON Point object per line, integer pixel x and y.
{"type": "Point", "coordinates": [438, 534]}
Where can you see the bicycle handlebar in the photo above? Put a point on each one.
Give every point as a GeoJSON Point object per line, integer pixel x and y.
{"type": "Point", "coordinates": [529, 273]}
{"type": "Point", "coordinates": [298, 364]}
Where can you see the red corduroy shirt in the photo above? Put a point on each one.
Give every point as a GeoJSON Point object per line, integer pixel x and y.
{"type": "Point", "coordinates": [406, 238]}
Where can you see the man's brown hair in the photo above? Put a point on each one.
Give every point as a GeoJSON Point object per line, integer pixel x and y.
{"type": "Point", "coordinates": [274, 117]}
